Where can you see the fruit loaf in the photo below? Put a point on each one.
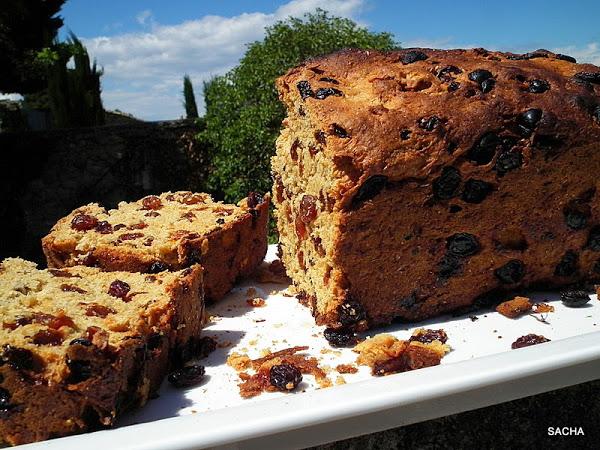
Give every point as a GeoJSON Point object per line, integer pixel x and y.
{"type": "Point", "coordinates": [411, 183]}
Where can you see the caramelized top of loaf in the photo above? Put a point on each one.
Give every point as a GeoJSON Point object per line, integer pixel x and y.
{"type": "Point", "coordinates": [43, 311]}
{"type": "Point", "coordinates": [151, 227]}
{"type": "Point", "coordinates": [406, 113]}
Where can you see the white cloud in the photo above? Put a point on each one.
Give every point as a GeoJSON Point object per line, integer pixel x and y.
{"type": "Point", "coordinates": [143, 71]}
{"type": "Point", "coordinates": [587, 54]}
{"type": "Point", "coordinates": [143, 16]}
{"type": "Point", "coordinates": [11, 97]}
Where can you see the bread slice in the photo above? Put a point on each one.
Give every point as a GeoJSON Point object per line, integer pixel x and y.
{"type": "Point", "coordinates": [412, 183]}
{"type": "Point", "coordinates": [166, 232]}
{"type": "Point", "coordinates": [79, 346]}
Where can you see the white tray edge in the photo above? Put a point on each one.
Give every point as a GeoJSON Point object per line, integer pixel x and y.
{"type": "Point", "coordinates": [363, 407]}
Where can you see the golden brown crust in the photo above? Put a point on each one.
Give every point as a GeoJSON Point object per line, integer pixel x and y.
{"type": "Point", "coordinates": [79, 387]}
{"type": "Point", "coordinates": [226, 252]}
{"type": "Point", "coordinates": [400, 152]}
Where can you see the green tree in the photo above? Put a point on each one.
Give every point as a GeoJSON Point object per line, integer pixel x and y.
{"type": "Point", "coordinates": [191, 110]}
{"type": "Point", "coordinates": [26, 28]}
{"type": "Point", "coordinates": [243, 113]}
{"type": "Point", "coordinates": [74, 93]}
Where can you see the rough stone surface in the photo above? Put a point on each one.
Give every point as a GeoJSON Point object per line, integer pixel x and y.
{"type": "Point", "coordinates": [47, 174]}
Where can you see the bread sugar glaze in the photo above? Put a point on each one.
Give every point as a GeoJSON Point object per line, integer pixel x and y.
{"type": "Point", "coordinates": [412, 183]}
{"type": "Point", "coordinates": [79, 346]}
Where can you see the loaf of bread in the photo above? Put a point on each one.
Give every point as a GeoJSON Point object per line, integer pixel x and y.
{"type": "Point", "coordinates": [166, 232]}
{"type": "Point", "coordinates": [78, 346]}
{"type": "Point", "coordinates": [416, 182]}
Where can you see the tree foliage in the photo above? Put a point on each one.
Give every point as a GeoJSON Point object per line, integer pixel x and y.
{"type": "Point", "coordinates": [26, 28]}
{"type": "Point", "coordinates": [243, 113]}
{"type": "Point", "coordinates": [74, 93]}
{"type": "Point", "coordinates": [189, 99]}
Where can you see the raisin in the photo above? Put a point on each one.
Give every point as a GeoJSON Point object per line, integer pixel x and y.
{"type": "Point", "coordinates": [339, 131]}
{"type": "Point", "coordinates": [574, 299]}
{"type": "Point", "coordinates": [81, 341]}
{"type": "Point", "coordinates": [445, 73]}
{"type": "Point", "coordinates": [118, 226]}
{"type": "Point", "coordinates": [72, 288]}
{"type": "Point", "coordinates": [530, 118]}
{"type": "Point", "coordinates": [480, 75]}
{"type": "Point", "coordinates": [538, 86]}
{"type": "Point", "coordinates": [192, 199]}
{"type": "Point", "coordinates": [254, 200]}
{"type": "Point", "coordinates": [576, 215]}
{"type": "Point", "coordinates": [80, 371]}
{"type": "Point", "coordinates": [119, 289]}
{"type": "Point", "coordinates": [454, 209]}
{"type": "Point", "coordinates": [350, 313]}
{"type": "Point", "coordinates": [412, 56]}
{"type": "Point", "coordinates": [130, 236]}
{"type": "Point", "coordinates": [510, 273]}
{"type": "Point", "coordinates": [84, 222]}
{"type": "Point", "coordinates": [565, 57]}
{"type": "Point", "coordinates": [158, 266]}
{"type": "Point", "coordinates": [405, 135]}
{"type": "Point", "coordinates": [487, 85]}
{"type": "Point", "coordinates": [220, 221]}
{"type": "Point", "coordinates": [369, 189]}
{"type": "Point", "coordinates": [475, 191]}
{"type": "Point", "coordinates": [596, 113]}
{"type": "Point", "coordinates": [593, 242]}
{"type": "Point", "coordinates": [97, 310]}
{"type": "Point", "coordinates": [531, 55]}
{"type": "Point", "coordinates": [205, 346]}
{"type": "Point", "coordinates": [590, 77]}
{"type": "Point", "coordinates": [4, 400]}
{"type": "Point", "coordinates": [453, 86]}
{"type": "Point", "coordinates": [508, 161]}
{"type": "Point", "coordinates": [304, 89]}
{"type": "Point", "coordinates": [294, 150]}
{"type": "Point", "coordinates": [429, 124]}
{"type": "Point", "coordinates": [567, 265]}
{"type": "Point", "coordinates": [329, 80]}
{"type": "Point", "coordinates": [19, 322]}
{"type": "Point", "coordinates": [448, 266]}
{"type": "Point", "coordinates": [285, 377]}
{"type": "Point", "coordinates": [408, 302]}
{"type": "Point", "coordinates": [300, 228]}
{"type": "Point", "coordinates": [48, 337]}
{"type": "Point", "coordinates": [445, 186]}
{"type": "Point", "coordinates": [187, 376]}
{"type": "Point", "coordinates": [320, 137]}
{"type": "Point", "coordinates": [323, 93]}
{"type": "Point", "coordinates": [54, 322]}
{"type": "Point", "coordinates": [427, 336]}
{"type": "Point", "coordinates": [103, 227]}
{"type": "Point", "coordinates": [484, 150]}
{"type": "Point", "coordinates": [308, 209]}
{"type": "Point", "coordinates": [152, 202]}
{"type": "Point", "coordinates": [18, 358]}
{"type": "Point", "coordinates": [154, 341]}
{"type": "Point", "coordinates": [340, 337]}
{"type": "Point", "coordinates": [527, 340]}
{"type": "Point", "coordinates": [462, 244]}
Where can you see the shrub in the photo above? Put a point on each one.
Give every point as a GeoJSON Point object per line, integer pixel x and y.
{"type": "Point", "coordinates": [243, 113]}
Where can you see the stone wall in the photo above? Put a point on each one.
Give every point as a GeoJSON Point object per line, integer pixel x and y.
{"type": "Point", "coordinates": [45, 175]}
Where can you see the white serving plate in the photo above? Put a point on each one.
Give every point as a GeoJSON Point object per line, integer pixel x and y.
{"type": "Point", "coordinates": [480, 370]}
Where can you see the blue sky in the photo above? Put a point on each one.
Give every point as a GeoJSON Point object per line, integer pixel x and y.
{"type": "Point", "coordinates": [145, 47]}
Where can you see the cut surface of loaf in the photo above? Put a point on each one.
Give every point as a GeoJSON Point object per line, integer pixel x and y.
{"type": "Point", "coordinates": [166, 232]}
{"type": "Point", "coordinates": [416, 182]}
{"type": "Point", "coordinates": [78, 346]}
